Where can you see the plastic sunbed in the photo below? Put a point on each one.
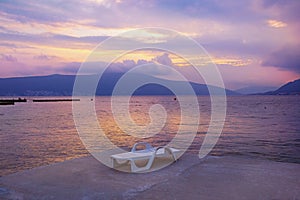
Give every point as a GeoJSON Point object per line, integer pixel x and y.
{"type": "Point", "coordinates": [149, 153]}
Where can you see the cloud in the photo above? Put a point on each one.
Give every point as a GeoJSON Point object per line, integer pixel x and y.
{"type": "Point", "coordinates": [50, 39]}
{"type": "Point", "coordinates": [8, 58]}
{"type": "Point", "coordinates": [287, 10]}
{"type": "Point", "coordinates": [125, 65]}
{"type": "Point", "coordinates": [148, 13]}
{"type": "Point", "coordinates": [69, 68]}
{"type": "Point", "coordinates": [212, 9]}
{"type": "Point", "coordinates": [93, 67]}
{"type": "Point", "coordinates": [45, 57]}
{"type": "Point", "coordinates": [234, 46]}
{"type": "Point", "coordinates": [9, 45]}
{"type": "Point", "coordinates": [33, 11]}
{"type": "Point", "coordinates": [124, 13]}
{"type": "Point", "coordinates": [230, 29]}
{"type": "Point", "coordinates": [163, 59]}
{"type": "Point", "coordinates": [287, 58]}
{"type": "Point", "coordinates": [276, 23]}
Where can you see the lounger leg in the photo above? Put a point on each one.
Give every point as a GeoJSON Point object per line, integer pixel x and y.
{"type": "Point", "coordinates": [115, 163]}
{"type": "Point", "coordinates": [135, 168]}
{"type": "Point", "coordinates": [171, 152]}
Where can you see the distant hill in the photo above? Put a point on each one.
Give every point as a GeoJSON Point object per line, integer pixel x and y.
{"type": "Point", "coordinates": [62, 85]}
{"type": "Point", "coordinates": [291, 88]}
{"type": "Point", "coordinates": [255, 89]}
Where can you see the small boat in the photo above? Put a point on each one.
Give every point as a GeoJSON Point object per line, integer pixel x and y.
{"type": "Point", "coordinates": [20, 100]}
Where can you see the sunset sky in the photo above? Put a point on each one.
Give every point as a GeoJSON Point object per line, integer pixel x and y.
{"type": "Point", "coordinates": [253, 42]}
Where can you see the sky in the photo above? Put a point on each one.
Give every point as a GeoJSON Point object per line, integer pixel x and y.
{"type": "Point", "coordinates": [253, 42]}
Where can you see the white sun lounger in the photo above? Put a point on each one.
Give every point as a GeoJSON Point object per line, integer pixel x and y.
{"type": "Point", "coordinates": [149, 153]}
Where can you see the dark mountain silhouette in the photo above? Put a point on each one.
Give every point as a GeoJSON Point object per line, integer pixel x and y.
{"type": "Point", "coordinates": [37, 85]}
{"type": "Point", "coordinates": [62, 85]}
{"type": "Point", "coordinates": [255, 89]}
{"type": "Point", "coordinates": [291, 88]}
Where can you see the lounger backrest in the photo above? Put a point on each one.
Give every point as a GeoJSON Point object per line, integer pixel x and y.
{"type": "Point", "coordinates": [148, 147]}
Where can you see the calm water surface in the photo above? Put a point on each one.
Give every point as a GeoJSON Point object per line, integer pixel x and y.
{"type": "Point", "coordinates": [35, 134]}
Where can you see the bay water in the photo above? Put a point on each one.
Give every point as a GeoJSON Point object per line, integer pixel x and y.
{"type": "Point", "coordinates": [34, 134]}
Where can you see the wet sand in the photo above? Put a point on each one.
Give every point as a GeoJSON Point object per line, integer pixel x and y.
{"type": "Point", "coordinates": [189, 178]}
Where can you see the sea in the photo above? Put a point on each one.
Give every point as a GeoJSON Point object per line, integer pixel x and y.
{"type": "Point", "coordinates": [34, 134]}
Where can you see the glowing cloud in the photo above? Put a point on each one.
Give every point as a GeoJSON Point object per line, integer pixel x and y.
{"type": "Point", "coordinates": [276, 24]}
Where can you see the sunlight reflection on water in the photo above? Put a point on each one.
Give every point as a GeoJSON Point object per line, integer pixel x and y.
{"type": "Point", "coordinates": [35, 134]}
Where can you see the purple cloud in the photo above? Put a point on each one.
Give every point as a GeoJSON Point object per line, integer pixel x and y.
{"type": "Point", "coordinates": [35, 11]}
{"type": "Point", "coordinates": [287, 58]}
{"type": "Point", "coordinates": [69, 68]}
{"type": "Point", "coordinates": [288, 10]}
{"type": "Point", "coordinates": [8, 58]}
{"type": "Point", "coordinates": [164, 59]}
{"type": "Point", "coordinates": [230, 28]}
{"type": "Point", "coordinates": [9, 45]}
{"type": "Point", "coordinates": [53, 39]}
{"type": "Point", "coordinates": [44, 57]}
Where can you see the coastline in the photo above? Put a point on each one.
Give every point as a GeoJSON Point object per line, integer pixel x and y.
{"type": "Point", "coordinates": [228, 177]}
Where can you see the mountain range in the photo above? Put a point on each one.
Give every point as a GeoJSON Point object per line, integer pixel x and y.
{"type": "Point", "coordinates": [291, 88]}
{"type": "Point", "coordinates": [255, 89]}
{"type": "Point", "coordinates": [62, 85]}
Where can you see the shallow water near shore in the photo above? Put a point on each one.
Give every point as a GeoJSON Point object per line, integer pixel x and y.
{"type": "Point", "coordinates": [35, 134]}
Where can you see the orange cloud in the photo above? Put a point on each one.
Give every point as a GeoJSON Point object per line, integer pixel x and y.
{"type": "Point", "coordinates": [276, 24]}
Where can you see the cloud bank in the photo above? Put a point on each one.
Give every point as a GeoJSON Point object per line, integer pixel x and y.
{"type": "Point", "coordinates": [257, 37]}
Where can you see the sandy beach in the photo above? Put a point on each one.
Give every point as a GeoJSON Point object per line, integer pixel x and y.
{"type": "Point", "coordinates": [189, 178]}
